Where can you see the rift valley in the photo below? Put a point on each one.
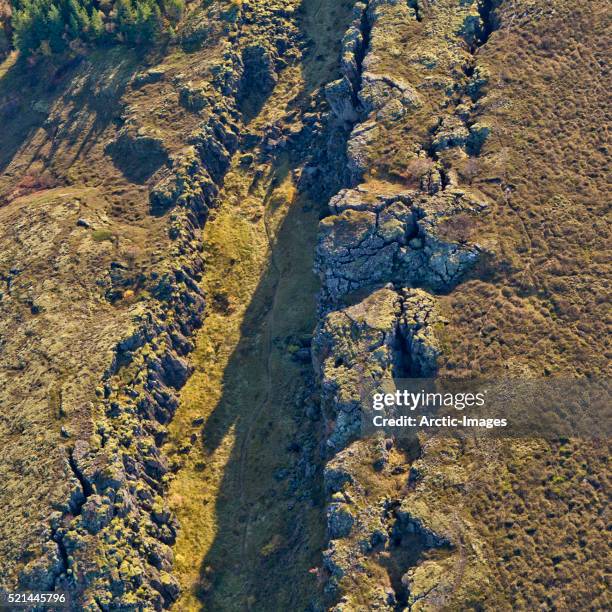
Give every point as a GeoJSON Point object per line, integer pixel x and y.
{"type": "Point", "coordinates": [218, 218]}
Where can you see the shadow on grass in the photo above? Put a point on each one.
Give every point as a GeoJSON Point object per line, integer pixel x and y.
{"type": "Point", "coordinates": [270, 524]}
{"type": "Point", "coordinates": [73, 100]}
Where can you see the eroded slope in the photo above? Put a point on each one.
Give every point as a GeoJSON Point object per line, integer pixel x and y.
{"type": "Point", "coordinates": [457, 154]}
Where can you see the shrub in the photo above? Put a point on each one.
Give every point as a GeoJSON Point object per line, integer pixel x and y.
{"type": "Point", "coordinates": [470, 169]}
{"type": "Point", "coordinates": [416, 169]}
{"type": "Point", "coordinates": [103, 235]}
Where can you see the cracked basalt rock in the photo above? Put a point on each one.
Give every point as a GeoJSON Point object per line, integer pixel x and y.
{"type": "Point", "coordinates": [381, 91]}
{"type": "Point", "coordinates": [371, 341]}
{"type": "Point", "coordinates": [141, 142]}
{"type": "Point", "coordinates": [353, 45]}
{"type": "Point", "coordinates": [340, 96]}
{"type": "Point", "coordinates": [360, 528]}
{"type": "Point", "coordinates": [407, 526]}
{"type": "Point", "coordinates": [390, 528]}
{"type": "Point", "coordinates": [192, 98]}
{"type": "Point", "coordinates": [383, 254]}
{"type": "Point", "coordinates": [110, 546]}
{"type": "Point", "coordinates": [376, 239]}
{"type": "Point", "coordinates": [349, 347]}
{"type": "Point", "coordinates": [339, 521]}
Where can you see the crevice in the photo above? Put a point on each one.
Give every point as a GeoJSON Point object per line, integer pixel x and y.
{"type": "Point", "coordinates": [63, 553]}
{"type": "Point", "coordinates": [415, 5]}
{"type": "Point", "coordinates": [409, 538]}
{"type": "Point", "coordinates": [408, 543]}
{"type": "Point", "coordinates": [366, 35]}
{"type": "Point", "coordinates": [76, 510]}
{"type": "Point", "coordinates": [85, 485]}
{"type": "Point", "coordinates": [469, 69]}
{"type": "Point", "coordinates": [444, 177]}
{"type": "Point", "coordinates": [489, 19]}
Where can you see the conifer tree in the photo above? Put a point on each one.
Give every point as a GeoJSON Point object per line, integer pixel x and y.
{"type": "Point", "coordinates": [48, 26]}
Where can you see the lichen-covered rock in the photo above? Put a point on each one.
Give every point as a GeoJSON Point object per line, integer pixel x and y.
{"type": "Point", "coordinates": [376, 239]}
{"type": "Point", "coordinates": [378, 91]}
{"type": "Point", "coordinates": [352, 346]}
{"type": "Point", "coordinates": [141, 142]}
{"type": "Point", "coordinates": [451, 132]}
{"type": "Point", "coordinates": [339, 521]}
{"type": "Point", "coordinates": [96, 513]}
{"type": "Point", "coordinates": [419, 322]}
{"type": "Point", "coordinates": [153, 75]}
{"type": "Point", "coordinates": [192, 98]}
{"type": "Point", "coordinates": [340, 96]}
{"type": "Point", "coordinates": [187, 182]}
{"type": "Point", "coordinates": [41, 573]}
{"type": "Point", "coordinates": [353, 45]}
{"type": "Point", "coordinates": [335, 478]}
{"type": "Point", "coordinates": [387, 248]}
{"type": "Point", "coordinates": [363, 347]}
{"type": "Point", "coordinates": [363, 135]}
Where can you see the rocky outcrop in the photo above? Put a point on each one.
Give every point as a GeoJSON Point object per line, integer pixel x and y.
{"type": "Point", "coordinates": [109, 543]}
{"type": "Point", "coordinates": [375, 238]}
{"type": "Point", "coordinates": [385, 252]}
{"type": "Point", "coordinates": [114, 534]}
{"type": "Point", "coordinates": [362, 347]}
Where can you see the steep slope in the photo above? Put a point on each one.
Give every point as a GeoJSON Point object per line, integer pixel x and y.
{"type": "Point", "coordinates": [247, 490]}
{"type": "Point", "coordinates": [123, 164]}
{"type": "Point", "coordinates": [443, 158]}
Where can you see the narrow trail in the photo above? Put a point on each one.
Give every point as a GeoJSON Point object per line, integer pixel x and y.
{"type": "Point", "coordinates": [254, 418]}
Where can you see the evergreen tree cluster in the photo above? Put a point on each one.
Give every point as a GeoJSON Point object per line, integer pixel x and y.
{"type": "Point", "coordinates": [52, 26]}
{"type": "Point", "coordinates": [6, 35]}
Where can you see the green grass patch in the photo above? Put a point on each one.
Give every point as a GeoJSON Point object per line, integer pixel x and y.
{"type": "Point", "coordinates": [103, 235]}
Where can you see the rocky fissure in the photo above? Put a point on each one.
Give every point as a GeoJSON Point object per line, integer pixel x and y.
{"type": "Point", "coordinates": [111, 544]}
{"type": "Point", "coordinates": [217, 247]}
{"type": "Point", "coordinates": [488, 18]}
{"type": "Point", "coordinates": [390, 244]}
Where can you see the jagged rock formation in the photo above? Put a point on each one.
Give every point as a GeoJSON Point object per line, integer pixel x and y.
{"type": "Point", "coordinates": [379, 233]}
{"type": "Point", "coordinates": [466, 237]}
{"type": "Point", "coordinates": [368, 343]}
{"type": "Point", "coordinates": [376, 238]}
{"type": "Point", "coordinates": [387, 258]}
{"type": "Point", "coordinates": [106, 539]}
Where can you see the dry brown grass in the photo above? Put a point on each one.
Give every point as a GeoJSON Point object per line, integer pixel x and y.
{"type": "Point", "coordinates": [538, 303]}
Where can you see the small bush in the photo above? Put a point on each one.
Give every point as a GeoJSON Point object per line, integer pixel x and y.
{"type": "Point", "coordinates": [102, 235]}
{"type": "Point", "coordinates": [417, 169]}
{"type": "Point", "coordinates": [34, 181]}
{"type": "Point", "coordinates": [470, 170]}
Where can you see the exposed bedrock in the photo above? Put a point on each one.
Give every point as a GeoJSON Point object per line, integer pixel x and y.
{"type": "Point", "coordinates": [373, 239]}
{"type": "Point", "coordinates": [358, 348]}
{"type": "Point", "coordinates": [109, 543]}
{"type": "Point", "coordinates": [386, 251]}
